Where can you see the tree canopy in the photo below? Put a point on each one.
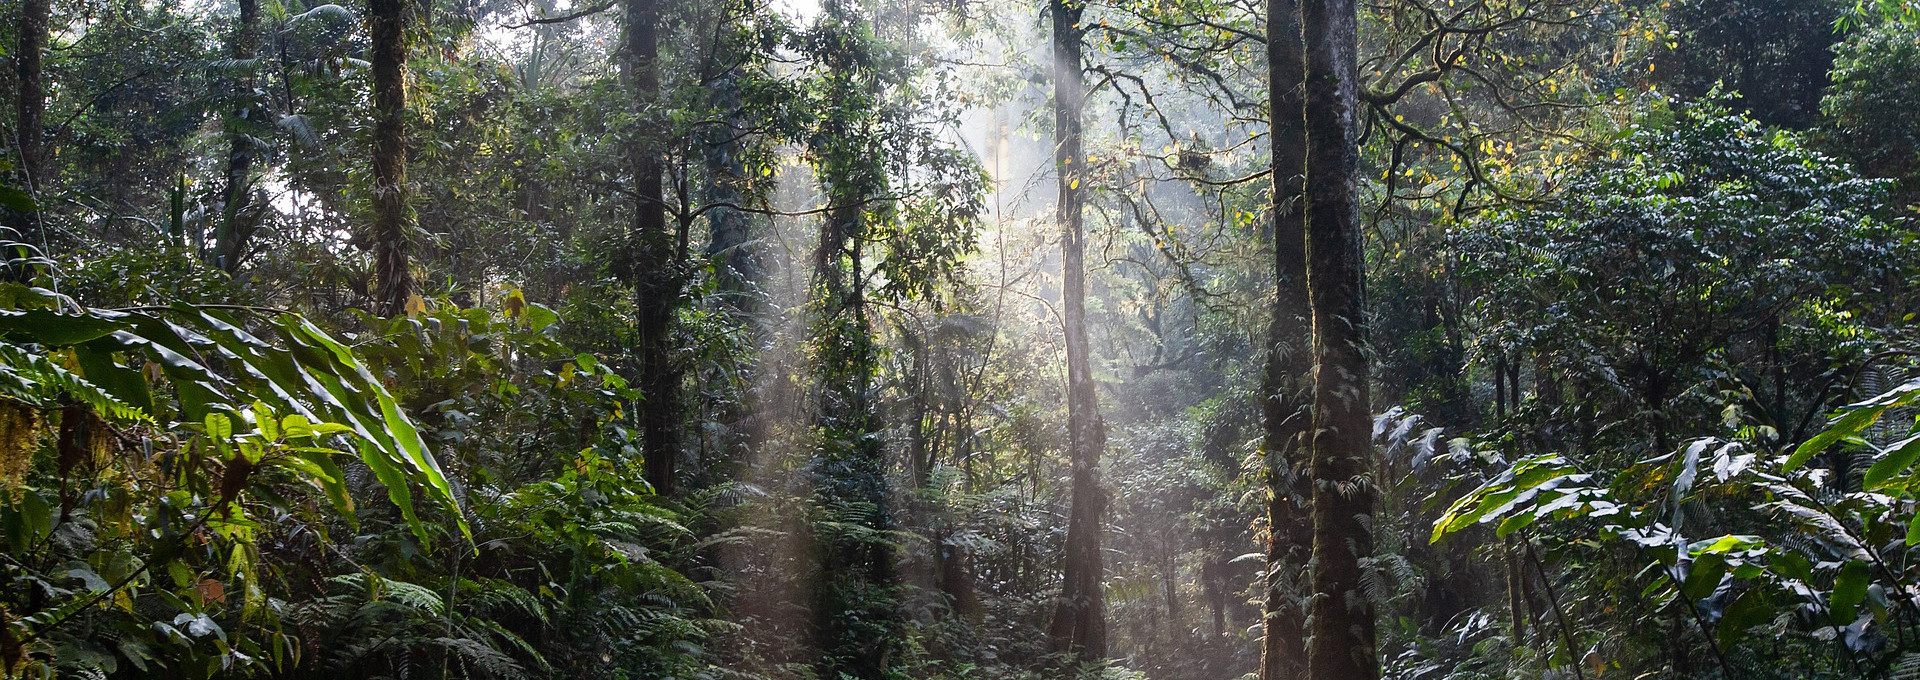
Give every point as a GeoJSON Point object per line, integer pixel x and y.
{"type": "Point", "coordinates": [960, 340]}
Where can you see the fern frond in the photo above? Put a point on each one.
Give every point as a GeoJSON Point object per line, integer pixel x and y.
{"type": "Point", "coordinates": [1907, 667]}
{"type": "Point", "coordinates": [32, 378]}
{"type": "Point", "coordinates": [477, 653]}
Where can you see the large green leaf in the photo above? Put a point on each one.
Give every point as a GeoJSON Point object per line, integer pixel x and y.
{"type": "Point", "coordinates": [1529, 490]}
{"type": "Point", "coordinates": [51, 328]}
{"type": "Point", "coordinates": [1856, 419]}
{"type": "Point", "coordinates": [31, 378]}
{"type": "Point", "coordinates": [16, 199]}
{"type": "Point", "coordinates": [1849, 590]}
{"type": "Point", "coordinates": [213, 364]}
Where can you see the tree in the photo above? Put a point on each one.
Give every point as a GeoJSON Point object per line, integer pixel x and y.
{"type": "Point", "coordinates": [1774, 54]}
{"type": "Point", "coordinates": [238, 218]}
{"type": "Point", "coordinates": [30, 111]}
{"type": "Point", "coordinates": [1079, 622]}
{"type": "Point", "coordinates": [656, 253]}
{"type": "Point", "coordinates": [731, 228]}
{"type": "Point", "coordinates": [393, 218]}
{"type": "Point", "coordinates": [1868, 110]}
{"type": "Point", "coordinates": [1691, 250]}
{"type": "Point", "coordinates": [1286, 412]}
{"type": "Point", "coordinates": [858, 625]}
{"type": "Point", "coordinates": [1341, 643]}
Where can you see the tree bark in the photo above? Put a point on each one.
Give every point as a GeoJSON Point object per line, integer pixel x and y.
{"type": "Point", "coordinates": [31, 110]}
{"type": "Point", "coordinates": [653, 262]}
{"type": "Point", "coordinates": [736, 264]}
{"type": "Point", "coordinates": [238, 221]}
{"type": "Point", "coordinates": [1341, 644]}
{"type": "Point", "coordinates": [1286, 409]}
{"type": "Point", "coordinates": [731, 230]}
{"type": "Point", "coordinates": [393, 219]}
{"type": "Point", "coordinates": [1079, 623]}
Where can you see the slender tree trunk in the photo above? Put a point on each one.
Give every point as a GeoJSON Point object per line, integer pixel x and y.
{"type": "Point", "coordinates": [1516, 590]}
{"type": "Point", "coordinates": [1285, 407]}
{"type": "Point", "coordinates": [1079, 623]}
{"type": "Point", "coordinates": [1213, 578]}
{"type": "Point", "coordinates": [1170, 589]}
{"type": "Point", "coordinates": [31, 112]}
{"type": "Point", "coordinates": [652, 264]}
{"type": "Point", "coordinates": [238, 220]}
{"type": "Point", "coordinates": [956, 580]}
{"type": "Point", "coordinates": [857, 617]}
{"type": "Point", "coordinates": [392, 218]}
{"type": "Point", "coordinates": [731, 230]}
{"type": "Point", "coordinates": [737, 267]}
{"type": "Point", "coordinates": [858, 621]}
{"type": "Point", "coordinates": [1341, 643]}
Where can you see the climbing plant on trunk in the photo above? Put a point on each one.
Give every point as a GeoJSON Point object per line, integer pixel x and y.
{"type": "Point", "coordinates": [1341, 627]}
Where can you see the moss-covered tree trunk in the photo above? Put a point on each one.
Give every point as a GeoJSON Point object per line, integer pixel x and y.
{"type": "Point", "coordinates": [1285, 408]}
{"type": "Point", "coordinates": [654, 260]}
{"type": "Point", "coordinates": [392, 218]}
{"type": "Point", "coordinates": [1340, 618]}
{"type": "Point", "coordinates": [31, 111]}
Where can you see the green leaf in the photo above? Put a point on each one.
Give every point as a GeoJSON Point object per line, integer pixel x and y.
{"type": "Point", "coordinates": [219, 427]}
{"type": "Point", "coordinates": [27, 520]}
{"type": "Point", "coordinates": [318, 467]}
{"type": "Point", "coordinates": [1896, 460]}
{"type": "Point", "coordinates": [539, 317]}
{"type": "Point", "coordinates": [398, 430]}
{"type": "Point", "coordinates": [1849, 589]}
{"type": "Point", "coordinates": [1726, 544]}
{"type": "Point", "coordinates": [1703, 576]}
{"type": "Point", "coordinates": [32, 378]}
{"type": "Point", "coordinates": [99, 367]}
{"type": "Point", "coordinates": [54, 329]}
{"type": "Point", "coordinates": [1517, 487]}
{"type": "Point", "coordinates": [1853, 421]}
{"type": "Point", "coordinates": [16, 199]}
{"type": "Point", "coordinates": [264, 420]}
{"type": "Point", "coordinates": [1751, 609]}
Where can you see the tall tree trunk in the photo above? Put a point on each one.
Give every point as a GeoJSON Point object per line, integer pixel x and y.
{"type": "Point", "coordinates": [857, 614]}
{"type": "Point", "coordinates": [857, 618]}
{"type": "Point", "coordinates": [1079, 624]}
{"type": "Point", "coordinates": [31, 111]}
{"type": "Point", "coordinates": [731, 230]}
{"type": "Point", "coordinates": [1341, 642]}
{"type": "Point", "coordinates": [392, 218]}
{"type": "Point", "coordinates": [736, 265]}
{"type": "Point", "coordinates": [238, 220]}
{"type": "Point", "coordinates": [1286, 406]}
{"type": "Point", "coordinates": [653, 261]}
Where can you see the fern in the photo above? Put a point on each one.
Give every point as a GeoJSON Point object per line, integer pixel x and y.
{"type": "Point", "coordinates": [512, 641]}
{"type": "Point", "coordinates": [1906, 667]}
{"type": "Point", "coordinates": [479, 654]}
{"type": "Point", "coordinates": [31, 378]}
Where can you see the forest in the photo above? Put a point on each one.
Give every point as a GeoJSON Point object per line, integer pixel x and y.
{"type": "Point", "coordinates": [960, 339]}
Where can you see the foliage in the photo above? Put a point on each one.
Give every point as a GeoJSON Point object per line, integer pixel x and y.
{"type": "Point", "coordinates": [177, 439]}
{"type": "Point", "coordinates": [1867, 108]}
{"type": "Point", "coordinates": [1625, 258]}
{"type": "Point", "coordinates": [1694, 251]}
